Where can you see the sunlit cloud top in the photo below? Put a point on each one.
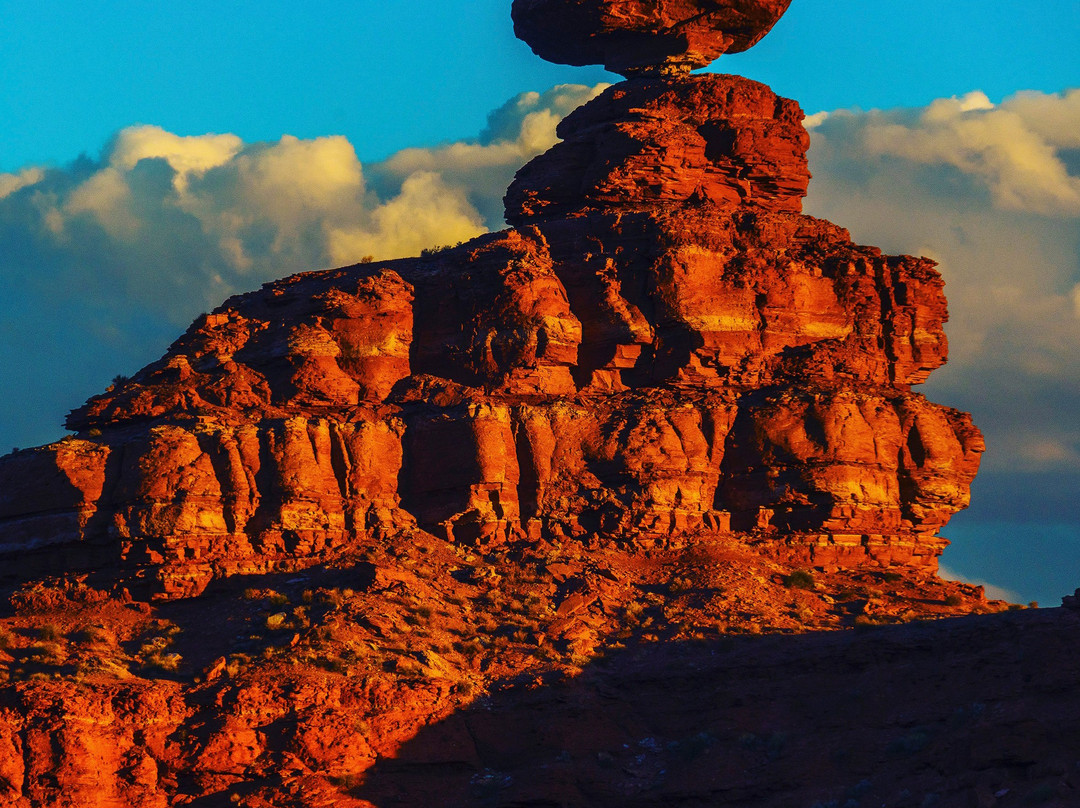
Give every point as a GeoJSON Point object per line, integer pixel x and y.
{"type": "Point", "coordinates": [106, 260]}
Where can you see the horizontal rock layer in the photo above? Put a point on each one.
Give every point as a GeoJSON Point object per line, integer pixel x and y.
{"type": "Point", "coordinates": [700, 374]}
{"type": "Point", "coordinates": [721, 140]}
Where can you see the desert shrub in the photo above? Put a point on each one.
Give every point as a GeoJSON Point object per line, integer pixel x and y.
{"type": "Point", "coordinates": [164, 661]}
{"type": "Point", "coordinates": [300, 617]}
{"type": "Point", "coordinates": [953, 600]}
{"type": "Point", "coordinates": [93, 635]}
{"type": "Point", "coordinates": [469, 648]}
{"type": "Point", "coordinates": [331, 597]}
{"type": "Point", "coordinates": [465, 688]}
{"type": "Point", "coordinates": [408, 667]}
{"type": "Point", "coordinates": [7, 639]}
{"type": "Point", "coordinates": [428, 252]}
{"type": "Point", "coordinates": [680, 584]}
{"type": "Point", "coordinates": [45, 653]}
{"type": "Point", "coordinates": [334, 664]}
{"type": "Point", "coordinates": [864, 621]}
{"type": "Point", "coordinates": [799, 579]}
{"type": "Point", "coordinates": [50, 632]}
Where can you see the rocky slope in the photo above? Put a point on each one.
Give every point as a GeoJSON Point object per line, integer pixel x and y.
{"type": "Point", "coordinates": [662, 409]}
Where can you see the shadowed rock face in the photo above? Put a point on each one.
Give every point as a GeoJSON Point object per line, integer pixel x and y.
{"type": "Point", "coordinates": [628, 36]}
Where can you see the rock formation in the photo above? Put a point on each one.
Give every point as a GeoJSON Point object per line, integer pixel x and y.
{"type": "Point", "coordinates": [662, 345]}
{"type": "Point", "coordinates": [643, 413]}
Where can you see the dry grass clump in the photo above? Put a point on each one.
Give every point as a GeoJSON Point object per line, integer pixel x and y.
{"type": "Point", "coordinates": [164, 660]}
{"type": "Point", "coordinates": [47, 653]}
{"type": "Point", "coordinates": [94, 635]}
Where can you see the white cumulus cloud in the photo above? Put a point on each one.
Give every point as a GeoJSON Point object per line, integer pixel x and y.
{"type": "Point", "coordinates": [993, 592]}
{"type": "Point", "coordinates": [1013, 150]}
{"type": "Point", "coordinates": [516, 132]}
{"type": "Point", "coordinates": [105, 261]}
{"type": "Point", "coordinates": [10, 183]}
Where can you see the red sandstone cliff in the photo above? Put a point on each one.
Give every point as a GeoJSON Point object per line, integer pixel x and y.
{"type": "Point", "coordinates": [661, 345]}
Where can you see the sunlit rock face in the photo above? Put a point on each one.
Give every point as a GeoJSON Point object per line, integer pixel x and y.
{"type": "Point", "coordinates": [661, 347]}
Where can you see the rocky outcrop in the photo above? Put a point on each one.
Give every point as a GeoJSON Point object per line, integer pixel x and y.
{"type": "Point", "coordinates": [630, 36]}
{"type": "Point", "coordinates": [709, 140]}
{"type": "Point", "coordinates": [661, 347]}
{"type": "Point", "coordinates": [430, 674]}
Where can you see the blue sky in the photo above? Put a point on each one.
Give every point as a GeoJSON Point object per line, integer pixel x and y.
{"type": "Point", "coordinates": [351, 128]}
{"type": "Point", "coordinates": [394, 74]}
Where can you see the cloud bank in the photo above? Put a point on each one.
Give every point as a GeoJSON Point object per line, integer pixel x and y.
{"type": "Point", "coordinates": [993, 592]}
{"type": "Point", "coordinates": [104, 261]}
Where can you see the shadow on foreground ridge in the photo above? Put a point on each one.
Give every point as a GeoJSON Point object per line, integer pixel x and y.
{"type": "Point", "coordinates": [967, 711]}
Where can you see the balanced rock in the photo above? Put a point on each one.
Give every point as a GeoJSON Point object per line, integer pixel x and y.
{"type": "Point", "coordinates": [628, 36]}
{"type": "Point", "coordinates": [661, 349]}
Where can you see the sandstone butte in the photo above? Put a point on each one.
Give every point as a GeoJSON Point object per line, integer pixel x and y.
{"type": "Point", "coordinates": [491, 526]}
